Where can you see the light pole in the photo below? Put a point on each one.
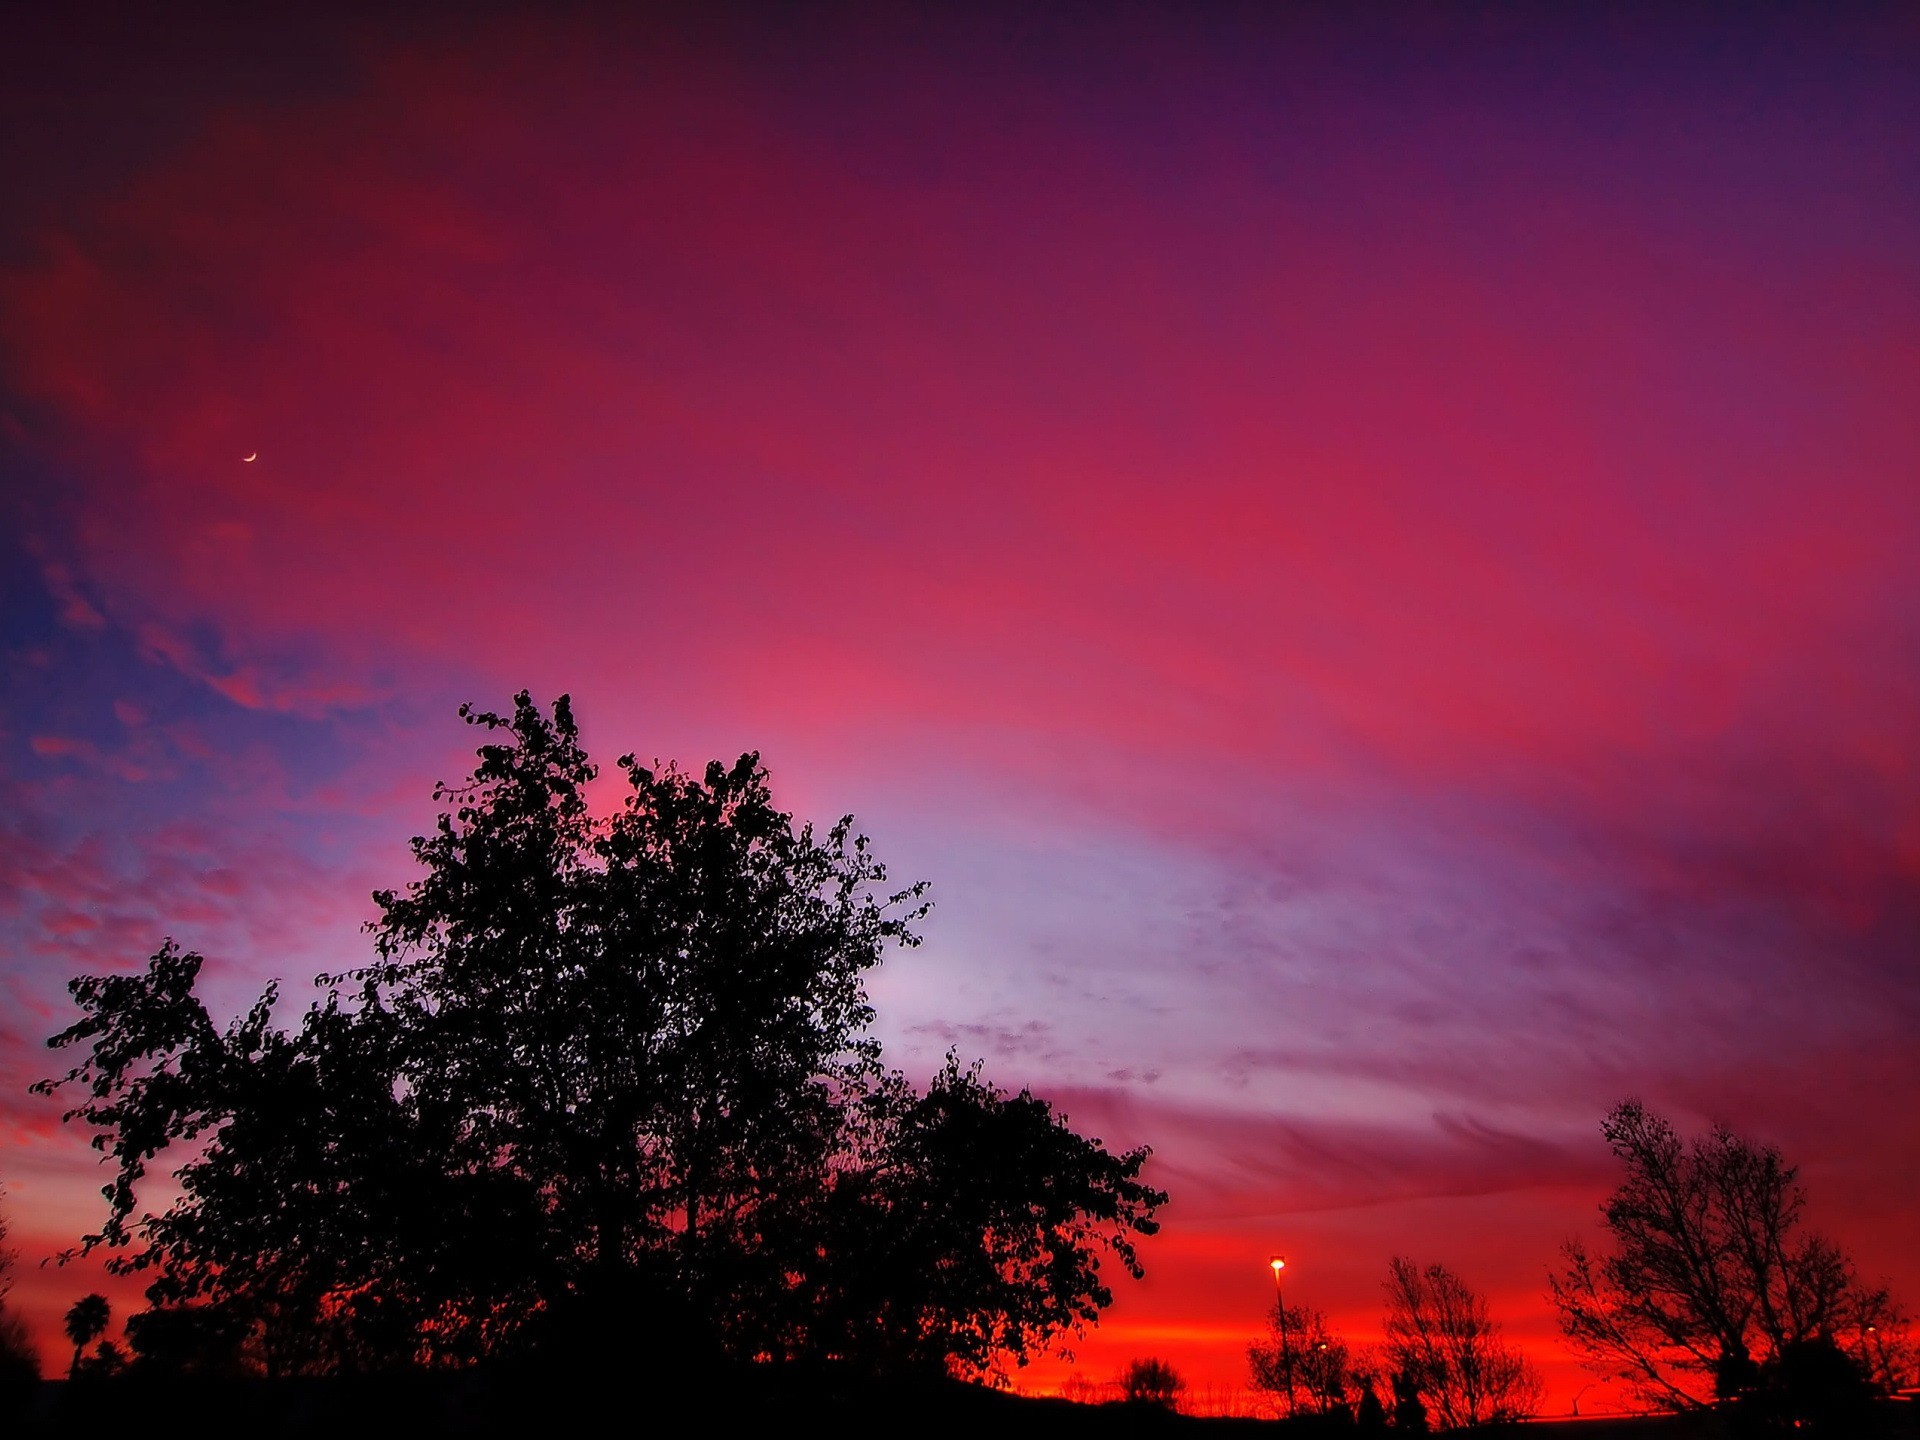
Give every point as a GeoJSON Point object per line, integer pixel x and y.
{"type": "Point", "coordinates": [1277, 1263]}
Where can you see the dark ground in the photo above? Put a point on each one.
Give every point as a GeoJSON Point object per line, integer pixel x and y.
{"type": "Point", "coordinates": [472, 1405]}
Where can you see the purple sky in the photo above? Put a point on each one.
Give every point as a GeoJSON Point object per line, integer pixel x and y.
{"type": "Point", "coordinates": [1371, 561]}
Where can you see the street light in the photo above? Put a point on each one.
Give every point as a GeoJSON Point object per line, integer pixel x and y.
{"type": "Point", "coordinates": [1277, 1263]}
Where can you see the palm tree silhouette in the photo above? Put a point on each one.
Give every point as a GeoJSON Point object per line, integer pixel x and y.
{"type": "Point", "coordinates": [86, 1322]}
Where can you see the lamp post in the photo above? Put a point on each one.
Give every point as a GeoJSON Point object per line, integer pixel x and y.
{"type": "Point", "coordinates": [1277, 1263]}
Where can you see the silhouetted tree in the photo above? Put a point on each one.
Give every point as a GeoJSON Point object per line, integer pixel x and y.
{"type": "Point", "coordinates": [1710, 1281]}
{"type": "Point", "coordinates": [1409, 1411]}
{"type": "Point", "coordinates": [1370, 1415]}
{"type": "Point", "coordinates": [1324, 1375]}
{"type": "Point", "coordinates": [965, 1227]}
{"type": "Point", "coordinates": [19, 1366]}
{"type": "Point", "coordinates": [1152, 1382]}
{"type": "Point", "coordinates": [107, 1361]}
{"type": "Point", "coordinates": [86, 1322]}
{"type": "Point", "coordinates": [1814, 1386]}
{"type": "Point", "coordinates": [327, 1197]}
{"type": "Point", "coordinates": [1309, 1360]}
{"type": "Point", "coordinates": [1878, 1334]}
{"type": "Point", "coordinates": [1440, 1336]}
{"type": "Point", "coordinates": [649, 1019]}
{"type": "Point", "coordinates": [605, 1071]}
{"type": "Point", "coordinates": [206, 1341]}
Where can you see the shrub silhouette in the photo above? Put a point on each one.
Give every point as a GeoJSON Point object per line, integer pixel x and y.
{"type": "Point", "coordinates": [1152, 1382]}
{"type": "Point", "coordinates": [204, 1341]}
{"type": "Point", "coordinates": [1409, 1411]}
{"type": "Point", "coordinates": [1815, 1386]}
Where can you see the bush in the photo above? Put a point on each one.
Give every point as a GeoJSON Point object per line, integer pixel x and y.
{"type": "Point", "coordinates": [1152, 1382]}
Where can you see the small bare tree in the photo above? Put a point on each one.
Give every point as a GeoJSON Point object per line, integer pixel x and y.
{"type": "Point", "coordinates": [1083, 1391]}
{"type": "Point", "coordinates": [1302, 1363]}
{"type": "Point", "coordinates": [1441, 1338]}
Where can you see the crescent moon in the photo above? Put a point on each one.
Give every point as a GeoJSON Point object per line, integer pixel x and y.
{"type": "Point", "coordinates": [249, 459]}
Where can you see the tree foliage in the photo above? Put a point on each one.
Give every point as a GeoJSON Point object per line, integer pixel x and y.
{"type": "Point", "coordinates": [606, 1075]}
{"type": "Point", "coordinates": [1711, 1282]}
{"type": "Point", "coordinates": [323, 1208]}
{"type": "Point", "coordinates": [982, 1222]}
{"type": "Point", "coordinates": [1445, 1347]}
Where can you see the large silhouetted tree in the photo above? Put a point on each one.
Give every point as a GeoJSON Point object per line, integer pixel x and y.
{"type": "Point", "coordinates": [606, 1076]}
{"type": "Point", "coordinates": [1712, 1290]}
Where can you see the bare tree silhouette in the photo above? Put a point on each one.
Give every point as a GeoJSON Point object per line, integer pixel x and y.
{"type": "Point", "coordinates": [1302, 1358]}
{"type": "Point", "coordinates": [1711, 1282]}
{"type": "Point", "coordinates": [1441, 1339]}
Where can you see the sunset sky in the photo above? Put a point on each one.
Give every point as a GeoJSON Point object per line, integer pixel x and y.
{"type": "Point", "coordinates": [1371, 556]}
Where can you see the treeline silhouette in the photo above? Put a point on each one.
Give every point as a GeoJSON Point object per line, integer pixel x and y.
{"type": "Point", "coordinates": [1709, 1299]}
{"type": "Point", "coordinates": [603, 1102]}
{"type": "Point", "coordinates": [602, 1117]}
{"type": "Point", "coordinates": [1442, 1363]}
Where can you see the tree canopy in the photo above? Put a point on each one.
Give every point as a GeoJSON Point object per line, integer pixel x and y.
{"type": "Point", "coordinates": [606, 1080]}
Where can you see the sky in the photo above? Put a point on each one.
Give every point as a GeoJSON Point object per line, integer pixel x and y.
{"type": "Point", "coordinates": [1371, 556]}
